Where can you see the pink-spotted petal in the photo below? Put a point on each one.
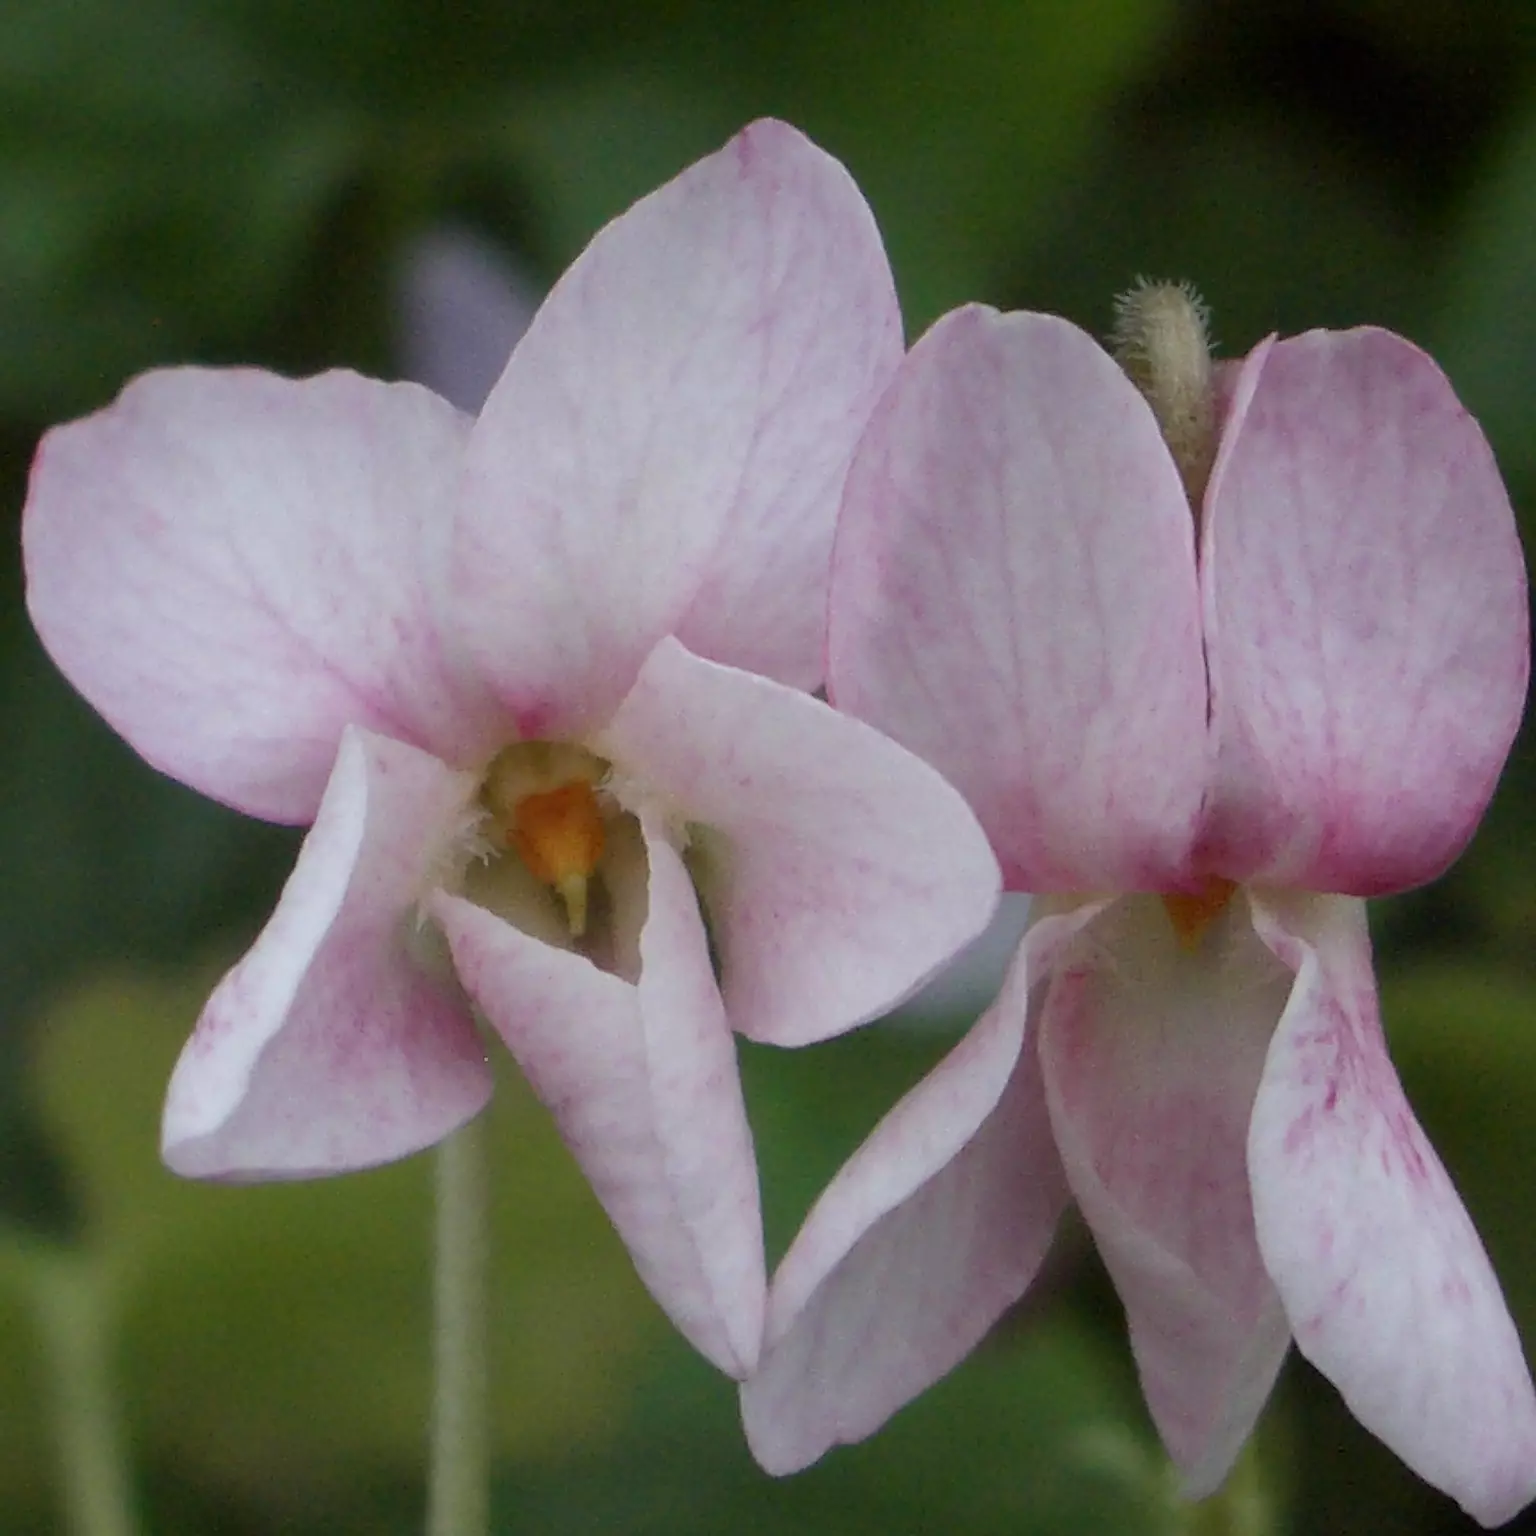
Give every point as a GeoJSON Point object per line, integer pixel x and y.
{"type": "Point", "coordinates": [1013, 597]}
{"type": "Point", "coordinates": [337, 1043]}
{"type": "Point", "coordinates": [1151, 1054]}
{"type": "Point", "coordinates": [665, 446]}
{"type": "Point", "coordinates": [932, 1229]}
{"type": "Point", "coordinates": [1365, 605]}
{"type": "Point", "coordinates": [838, 870]}
{"type": "Point", "coordinates": [642, 1082]}
{"type": "Point", "coordinates": [232, 567]}
{"type": "Point", "coordinates": [1389, 1291]}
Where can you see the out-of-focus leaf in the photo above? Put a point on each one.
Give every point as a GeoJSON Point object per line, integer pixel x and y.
{"type": "Point", "coordinates": [957, 121]}
{"type": "Point", "coordinates": [276, 1336]}
{"type": "Point", "coordinates": [1486, 337]}
{"type": "Point", "coordinates": [1036, 1434]}
{"type": "Point", "coordinates": [1278, 230]}
{"type": "Point", "coordinates": [158, 185]}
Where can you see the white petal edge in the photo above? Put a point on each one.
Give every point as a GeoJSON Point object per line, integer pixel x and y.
{"type": "Point", "coordinates": [336, 1043]}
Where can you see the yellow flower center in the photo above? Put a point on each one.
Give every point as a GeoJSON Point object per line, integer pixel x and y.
{"type": "Point", "coordinates": [542, 799]}
{"type": "Point", "coordinates": [1191, 912]}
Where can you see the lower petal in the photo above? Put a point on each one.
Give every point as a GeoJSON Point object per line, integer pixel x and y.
{"type": "Point", "coordinates": [642, 1081]}
{"type": "Point", "coordinates": [839, 870]}
{"type": "Point", "coordinates": [1151, 1053]}
{"type": "Point", "coordinates": [331, 1046]}
{"type": "Point", "coordinates": [933, 1228]}
{"type": "Point", "coordinates": [1388, 1288]}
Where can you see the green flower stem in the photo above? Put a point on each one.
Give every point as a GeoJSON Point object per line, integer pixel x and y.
{"type": "Point", "coordinates": [1242, 1506]}
{"type": "Point", "coordinates": [459, 1477]}
{"type": "Point", "coordinates": [75, 1318]}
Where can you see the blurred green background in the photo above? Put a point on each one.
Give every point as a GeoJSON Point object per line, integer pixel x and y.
{"type": "Point", "coordinates": [247, 180]}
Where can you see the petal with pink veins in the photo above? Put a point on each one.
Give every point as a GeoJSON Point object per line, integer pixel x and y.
{"type": "Point", "coordinates": [933, 1228]}
{"type": "Point", "coordinates": [838, 870]}
{"type": "Point", "coordinates": [232, 567]}
{"type": "Point", "coordinates": [642, 1081]}
{"type": "Point", "coordinates": [1014, 598]}
{"type": "Point", "coordinates": [332, 1046]}
{"type": "Point", "coordinates": [1151, 1052]}
{"type": "Point", "coordinates": [1388, 1288]}
{"type": "Point", "coordinates": [1365, 607]}
{"type": "Point", "coordinates": [667, 444]}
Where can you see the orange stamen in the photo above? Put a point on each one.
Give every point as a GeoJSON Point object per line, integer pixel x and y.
{"type": "Point", "coordinates": [1191, 912]}
{"type": "Point", "coordinates": [559, 836]}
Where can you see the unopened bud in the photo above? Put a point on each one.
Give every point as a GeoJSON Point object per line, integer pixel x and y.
{"type": "Point", "coordinates": [1160, 340]}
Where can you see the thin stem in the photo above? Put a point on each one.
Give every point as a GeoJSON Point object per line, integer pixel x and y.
{"type": "Point", "coordinates": [75, 1317]}
{"type": "Point", "coordinates": [458, 1493]}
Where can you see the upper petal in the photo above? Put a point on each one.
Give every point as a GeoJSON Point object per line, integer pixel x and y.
{"type": "Point", "coordinates": [1014, 598]}
{"type": "Point", "coordinates": [928, 1233]}
{"type": "Point", "coordinates": [231, 567]}
{"type": "Point", "coordinates": [1151, 1054]}
{"type": "Point", "coordinates": [1366, 618]}
{"type": "Point", "coordinates": [643, 1084]}
{"type": "Point", "coordinates": [666, 444]}
{"type": "Point", "coordinates": [839, 871]}
{"type": "Point", "coordinates": [1388, 1289]}
{"type": "Point", "coordinates": [332, 1045]}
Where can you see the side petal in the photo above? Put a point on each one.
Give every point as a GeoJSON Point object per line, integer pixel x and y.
{"type": "Point", "coordinates": [230, 567]}
{"type": "Point", "coordinates": [643, 1084]}
{"type": "Point", "coordinates": [1366, 618]}
{"type": "Point", "coordinates": [838, 870]}
{"type": "Point", "coordinates": [1389, 1291]}
{"type": "Point", "coordinates": [1014, 598]}
{"type": "Point", "coordinates": [1151, 1054]}
{"type": "Point", "coordinates": [336, 1044]}
{"type": "Point", "coordinates": [933, 1228]}
{"type": "Point", "coordinates": [667, 444]}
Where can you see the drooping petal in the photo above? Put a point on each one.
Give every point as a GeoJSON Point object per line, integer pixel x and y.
{"type": "Point", "coordinates": [336, 1043]}
{"type": "Point", "coordinates": [932, 1229]}
{"type": "Point", "coordinates": [666, 443]}
{"type": "Point", "coordinates": [1014, 598]}
{"type": "Point", "coordinates": [1151, 1054]}
{"type": "Point", "coordinates": [642, 1082]}
{"type": "Point", "coordinates": [1389, 1291]}
{"type": "Point", "coordinates": [232, 567]}
{"type": "Point", "coordinates": [838, 870]}
{"type": "Point", "coordinates": [1365, 612]}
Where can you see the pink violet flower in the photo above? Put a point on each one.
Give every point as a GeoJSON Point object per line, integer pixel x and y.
{"type": "Point", "coordinates": [1245, 742]}
{"type": "Point", "coordinates": [537, 680]}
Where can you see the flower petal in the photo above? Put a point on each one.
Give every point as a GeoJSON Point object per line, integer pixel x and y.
{"type": "Point", "coordinates": [1151, 1054]}
{"type": "Point", "coordinates": [332, 1045]}
{"type": "Point", "coordinates": [1365, 617]}
{"type": "Point", "coordinates": [670, 433]}
{"type": "Point", "coordinates": [643, 1084]}
{"type": "Point", "coordinates": [932, 1229]}
{"type": "Point", "coordinates": [230, 567]}
{"type": "Point", "coordinates": [1389, 1291]}
{"type": "Point", "coordinates": [838, 870]}
{"type": "Point", "coordinates": [1013, 598]}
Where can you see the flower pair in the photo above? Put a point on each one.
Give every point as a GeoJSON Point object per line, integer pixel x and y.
{"type": "Point", "coordinates": [541, 682]}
